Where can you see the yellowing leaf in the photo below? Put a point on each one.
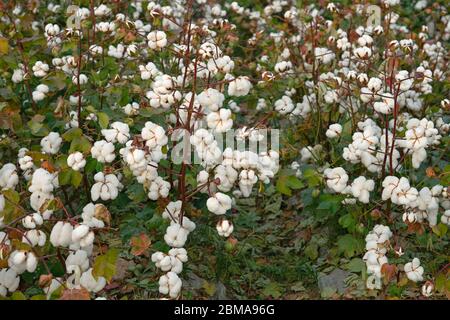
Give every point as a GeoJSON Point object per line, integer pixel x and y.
{"type": "Point", "coordinates": [139, 244]}
{"type": "Point", "coordinates": [4, 46]}
{"type": "Point", "coordinates": [105, 265]}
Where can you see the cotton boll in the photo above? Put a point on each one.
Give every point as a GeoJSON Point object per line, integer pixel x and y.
{"type": "Point", "coordinates": [9, 281]}
{"type": "Point", "coordinates": [32, 221]}
{"type": "Point", "coordinates": [170, 284]}
{"type": "Point", "coordinates": [106, 187]}
{"type": "Point", "coordinates": [337, 179]}
{"type": "Point", "coordinates": [157, 39]}
{"type": "Point", "coordinates": [78, 258]}
{"type": "Point", "coordinates": [361, 188]}
{"type": "Point", "coordinates": [93, 215]}
{"type": "Point", "coordinates": [82, 235]}
{"type": "Point", "coordinates": [40, 69]}
{"type": "Point", "coordinates": [154, 135]}
{"type": "Point", "coordinates": [158, 188]}
{"type": "Point", "coordinates": [219, 204]}
{"type": "Point", "coordinates": [414, 271]}
{"type": "Point", "coordinates": [76, 161]}
{"type": "Point", "coordinates": [61, 235]}
{"type": "Point", "coordinates": [211, 99]}
{"type": "Point", "coordinates": [176, 235]}
{"type": "Point", "coordinates": [119, 132]}
{"type": "Point", "coordinates": [220, 121]}
{"type": "Point", "coordinates": [334, 130]}
{"type": "Point", "coordinates": [8, 176]}
{"type": "Point", "coordinates": [224, 228]}
{"type": "Point", "coordinates": [240, 86]}
{"type": "Point", "coordinates": [90, 283]}
{"type": "Point", "coordinates": [103, 151]}
{"type": "Point", "coordinates": [284, 105]}
{"type": "Point", "coordinates": [51, 143]}
{"type": "Point", "coordinates": [34, 238]}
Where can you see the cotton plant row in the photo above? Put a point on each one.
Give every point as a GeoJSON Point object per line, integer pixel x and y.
{"type": "Point", "coordinates": [194, 97]}
{"type": "Point", "coordinates": [365, 88]}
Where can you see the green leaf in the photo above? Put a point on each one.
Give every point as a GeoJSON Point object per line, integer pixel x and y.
{"type": "Point", "coordinates": [272, 290]}
{"type": "Point", "coordinates": [105, 265]}
{"type": "Point", "coordinates": [72, 134]}
{"type": "Point", "coordinates": [65, 176]}
{"type": "Point", "coordinates": [81, 144]}
{"type": "Point", "coordinates": [311, 251]}
{"type": "Point", "coordinates": [18, 296]}
{"type": "Point", "coordinates": [103, 120]}
{"type": "Point", "coordinates": [76, 178]}
{"type": "Point", "coordinates": [350, 245]}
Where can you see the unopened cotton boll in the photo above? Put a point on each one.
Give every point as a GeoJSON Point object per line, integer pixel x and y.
{"type": "Point", "coordinates": [103, 151]}
{"type": "Point", "coordinates": [224, 228]}
{"type": "Point", "coordinates": [170, 284]}
{"type": "Point", "coordinates": [414, 271]}
{"type": "Point", "coordinates": [240, 86]}
{"type": "Point", "coordinates": [76, 161]}
{"type": "Point", "coordinates": [51, 143]}
{"type": "Point", "coordinates": [61, 235]}
{"type": "Point", "coordinates": [334, 130]}
{"type": "Point", "coordinates": [219, 204]}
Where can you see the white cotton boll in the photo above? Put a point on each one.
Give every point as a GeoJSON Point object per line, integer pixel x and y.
{"type": "Point", "coordinates": [42, 181]}
{"type": "Point", "coordinates": [76, 161]}
{"type": "Point", "coordinates": [8, 176]}
{"type": "Point", "coordinates": [9, 281]}
{"type": "Point", "coordinates": [149, 71]}
{"type": "Point", "coordinates": [220, 121]}
{"type": "Point", "coordinates": [284, 105]}
{"type": "Point", "coordinates": [179, 253]}
{"type": "Point", "coordinates": [40, 69]}
{"type": "Point", "coordinates": [414, 271]}
{"type": "Point", "coordinates": [222, 64]}
{"type": "Point", "coordinates": [176, 235]}
{"type": "Point", "coordinates": [363, 52]}
{"type": "Point", "coordinates": [323, 55]}
{"type": "Point", "coordinates": [224, 228]}
{"type": "Point", "coordinates": [83, 79]}
{"type": "Point", "coordinates": [158, 188]}
{"type": "Point", "coordinates": [227, 176]}
{"type": "Point", "coordinates": [32, 221]}
{"type": "Point", "coordinates": [82, 235]}
{"type": "Point", "coordinates": [106, 187]}
{"type": "Point", "coordinates": [103, 151]}
{"type": "Point", "coordinates": [26, 163]}
{"type": "Point", "coordinates": [34, 238]}
{"type": "Point", "coordinates": [32, 262]}
{"type": "Point", "coordinates": [51, 143]}
{"type": "Point", "coordinates": [211, 99]}
{"type": "Point", "coordinates": [375, 85]}
{"type": "Point", "coordinates": [219, 204]}
{"type": "Point", "coordinates": [170, 284]}
{"type": "Point", "coordinates": [154, 135]}
{"type": "Point", "coordinates": [240, 86]}
{"type": "Point", "coordinates": [337, 179]}
{"type": "Point", "coordinates": [89, 215]}
{"type": "Point", "coordinates": [157, 39]}
{"type": "Point", "coordinates": [334, 130]}
{"type": "Point", "coordinates": [445, 218]}
{"type": "Point", "coordinates": [119, 132]}
{"type": "Point", "coordinates": [40, 93]}
{"type": "Point", "coordinates": [404, 79]}
{"type": "Point", "coordinates": [361, 188]}
{"type": "Point", "coordinates": [131, 109]}
{"type": "Point", "coordinates": [78, 258]}
{"type": "Point", "coordinates": [96, 50]}
{"type": "Point", "coordinates": [90, 283]}
{"type": "Point", "coordinates": [61, 235]}
{"type": "Point", "coordinates": [102, 10]}
{"type": "Point", "coordinates": [18, 76]}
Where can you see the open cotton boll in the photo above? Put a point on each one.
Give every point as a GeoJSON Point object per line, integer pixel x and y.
{"type": "Point", "coordinates": [361, 188]}
{"type": "Point", "coordinates": [61, 235]}
{"type": "Point", "coordinates": [40, 93]}
{"type": "Point", "coordinates": [157, 39]}
{"type": "Point", "coordinates": [334, 130]}
{"type": "Point", "coordinates": [219, 204]}
{"type": "Point", "coordinates": [40, 69]}
{"type": "Point", "coordinates": [8, 176]}
{"type": "Point", "coordinates": [21, 261]}
{"type": "Point", "coordinates": [76, 161]}
{"type": "Point", "coordinates": [170, 284]}
{"type": "Point", "coordinates": [93, 215]}
{"type": "Point", "coordinates": [34, 238]}
{"type": "Point", "coordinates": [9, 281]}
{"type": "Point", "coordinates": [240, 86]}
{"type": "Point", "coordinates": [33, 220]}
{"type": "Point", "coordinates": [414, 271]}
{"type": "Point", "coordinates": [51, 143]}
{"type": "Point", "coordinates": [106, 187]}
{"type": "Point", "coordinates": [211, 99]}
{"type": "Point", "coordinates": [284, 105]}
{"type": "Point", "coordinates": [176, 235]}
{"type": "Point", "coordinates": [78, 258]}
{"type": "Point", "coordinates": [82, 235]}
{"type": "Point", "coordinates": [337, 179]}
{"type": "Point", "coordinates": [154, 135]}
{"type": "Point", "coordinates": [90, 283]}
{"type": "Point", "coordinates": [119, 132]}
{"type": "Point", "coordinates": [224, 228]}
{"type": "Point", "coordinates": [103, 151]}
{"type": "Point", "coordinates": [220, 121]}
{"type": "Point", "coordinates": [158, 188]}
